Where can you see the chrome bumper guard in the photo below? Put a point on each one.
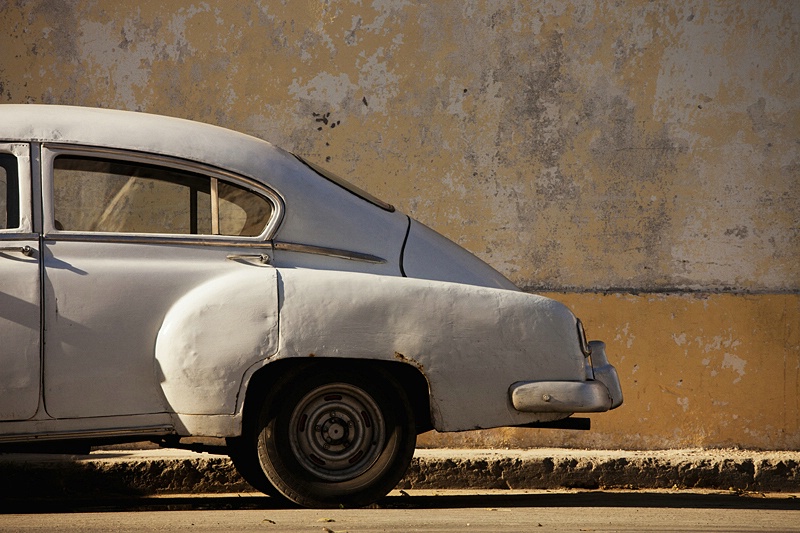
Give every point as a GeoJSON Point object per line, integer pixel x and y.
{"type": "Point", "coordinates": [593, 396]}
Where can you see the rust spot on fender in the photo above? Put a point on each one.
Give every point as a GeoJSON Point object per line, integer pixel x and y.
{"type": "Point", "coordinates": [402, 358]}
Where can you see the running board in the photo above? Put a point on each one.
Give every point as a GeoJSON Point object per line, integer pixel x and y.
{"type": "Point", "coordinates": [89, 435]}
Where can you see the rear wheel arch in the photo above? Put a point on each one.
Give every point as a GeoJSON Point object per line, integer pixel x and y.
{"type": "Point", "coordinates": [274, 392]}
{"type": "Point", "coordinates": [261, 385]}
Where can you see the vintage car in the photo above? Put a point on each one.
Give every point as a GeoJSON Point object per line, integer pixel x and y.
{"type": "Point", "coordinates": [163, 279]}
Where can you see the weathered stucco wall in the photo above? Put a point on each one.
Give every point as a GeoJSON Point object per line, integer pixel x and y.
{"type": "Point", "coordinates": [697, 370]}
{"type": "Point", "coordinates": [639, 160]}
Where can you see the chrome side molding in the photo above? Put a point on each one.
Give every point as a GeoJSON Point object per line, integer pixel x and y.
{"type": "Point", "coordinates": [330, 252]}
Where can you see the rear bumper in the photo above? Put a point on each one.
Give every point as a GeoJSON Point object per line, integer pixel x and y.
{"type": "Point", "coordinates": [592, 396]}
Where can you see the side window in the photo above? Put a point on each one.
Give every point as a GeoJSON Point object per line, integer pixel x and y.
{"type": "Point", "coordinates": [241, 212]}
{"type": "Point", "coordinates": [9, 192]}
{"type": "Point", "coordinates": [109, 195]}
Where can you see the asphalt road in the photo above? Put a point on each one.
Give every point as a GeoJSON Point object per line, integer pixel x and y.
{"type": "Point", "coordinates": [430, 511]}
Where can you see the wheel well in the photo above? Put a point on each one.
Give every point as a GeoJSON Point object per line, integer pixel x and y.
{"type": "Point", "coordinates": [410, 379]}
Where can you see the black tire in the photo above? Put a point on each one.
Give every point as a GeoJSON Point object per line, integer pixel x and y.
{"type": "Point", "coordinates": [336, 439]}
{"type": "Point", "coordinates": [244, 456]}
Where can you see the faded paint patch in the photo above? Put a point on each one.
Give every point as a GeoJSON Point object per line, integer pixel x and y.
{"type": "Point", "coordinates": [736, 364]}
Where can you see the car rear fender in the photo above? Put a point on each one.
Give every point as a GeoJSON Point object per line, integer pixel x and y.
{"type": "Point", "coordinates": [471, 343]}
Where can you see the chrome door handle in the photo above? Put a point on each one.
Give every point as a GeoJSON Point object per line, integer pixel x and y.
{"type": "Point", "coordinates": [24, 250]}
{"type": "Point", "coordinates": [262, 258]}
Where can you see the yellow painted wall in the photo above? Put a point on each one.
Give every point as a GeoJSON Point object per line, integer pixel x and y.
{"type": "Point", "coordinates": [638, 159]}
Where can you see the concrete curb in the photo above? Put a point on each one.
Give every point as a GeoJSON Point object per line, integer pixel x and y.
{"type": "Point", "coordinates": [146, 472]}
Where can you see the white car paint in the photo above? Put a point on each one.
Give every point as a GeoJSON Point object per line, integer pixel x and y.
{"type": "Point", "coordinates": [19, 305]}
{"type": "Point", "coordinates": [429, 255]}
{"type": "Point", "coordinates": [156, 334]}
{"type": "Point", "coordinates": [470, 342]}
{"type": "Point", "coordinates": [212, 334]}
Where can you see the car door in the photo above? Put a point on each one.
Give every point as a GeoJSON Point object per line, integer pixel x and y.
{"type": "Point", "coordinates": [126, 236]}
{"type": "Point", "coordinates": [20, 358]}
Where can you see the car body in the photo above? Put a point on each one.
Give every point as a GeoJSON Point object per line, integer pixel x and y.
{"type": "Point", "coordinates": [161, 279]}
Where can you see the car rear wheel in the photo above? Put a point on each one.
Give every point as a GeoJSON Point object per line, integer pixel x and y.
{"type": "Point", "coordinates": [336, 439]}
{"type": "Point", "coordinates": [242, 451]}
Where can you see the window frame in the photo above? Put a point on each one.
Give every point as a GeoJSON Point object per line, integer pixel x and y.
{"type": "Point", "coordinates": [21, 151]}
{"type": "Point", "coordinates": [9, 192]}
{"type": "Point", "coordinates": [51, 151]}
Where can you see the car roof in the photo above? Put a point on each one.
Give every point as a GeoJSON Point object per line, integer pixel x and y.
{"type": "Point", "coordinates": [130, 130]}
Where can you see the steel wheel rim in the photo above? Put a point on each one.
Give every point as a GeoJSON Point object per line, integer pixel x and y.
{"type": "Point", "coordinates": [337, 431]}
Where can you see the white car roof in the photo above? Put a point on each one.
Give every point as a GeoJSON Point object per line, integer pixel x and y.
{"type": "Point", "coordinates": [137, 131]}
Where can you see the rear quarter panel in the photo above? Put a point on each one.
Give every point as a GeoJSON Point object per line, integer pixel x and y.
{"type": "Point", "coordinates": [470, 342]}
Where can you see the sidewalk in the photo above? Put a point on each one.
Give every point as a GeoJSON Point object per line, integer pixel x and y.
{"type": "Point", "coordinates": [144, 472]}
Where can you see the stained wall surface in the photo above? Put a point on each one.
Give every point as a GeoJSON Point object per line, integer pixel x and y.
{"type": "Point", "coordinates": [638, 160]}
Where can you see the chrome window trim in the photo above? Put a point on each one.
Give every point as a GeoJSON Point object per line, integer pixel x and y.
{"type": "Point", "coordinates": [156, 238]}
{"type": "Point", "coordinates": [52, 150]}
{"type": "Point", "coordinates": [210, 240]}
{"type": "Point", "coordinates": [22, 151]}
{"type": "Point", "coordinates": [11, 237]}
